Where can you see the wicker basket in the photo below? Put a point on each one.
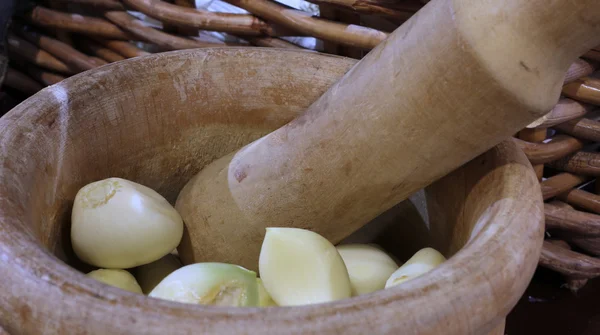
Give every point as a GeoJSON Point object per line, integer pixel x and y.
{"type": "Point", "coordinates": [60, 38]}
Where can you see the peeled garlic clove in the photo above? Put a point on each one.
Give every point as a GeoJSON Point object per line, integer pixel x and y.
{"type": "Point", "coordinates": [264, 299]}
{"type": "Point", "coordinates": [209, 284]}
{"type": "Point", "coordinates": [300, 267]}
{"type": "Point", "coordinates": [120, 224]}
{"type": "Point", "coordinates": [149, 275]}
{"type": "Point", "coordinates": [423, 261]}
{"type": "Point", "coordinates": [368, 267]}
{"type": "Point", "coordinates": [117, 278]}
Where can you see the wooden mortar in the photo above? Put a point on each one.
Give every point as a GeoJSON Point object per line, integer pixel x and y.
{"type": "Point", "coordinates": [435, 94]}
{"type": "Point", "coordinates": [158, 120]}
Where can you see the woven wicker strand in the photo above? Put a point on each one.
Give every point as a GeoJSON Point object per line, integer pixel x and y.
{"type": "Point", "coordinates": [23, 49]}
{"type": "Point", "coordinates": [48, 18]}
{"type": "Point", "coordinates": [242, 24]}
{"type": "Point", "coordinates": [297, 20]}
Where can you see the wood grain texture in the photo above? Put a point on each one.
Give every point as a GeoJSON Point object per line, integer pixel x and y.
{"type": "Point", "coordinates": [584, 89]}
{"type": "Point", "coordinates": [560, 183]}
{"type": "Point", "coordinates": [31, 53]}
{"type": "Point", "coordinates": [77, 23]}
{"type": "Point", "coordinates": [338, 165]}
{"type": "Point", "coordinates": [581, 162]}
{"type": "Point", "coordinates": [351, 35]}
{"type": "Point", "coordinates": [21, 82]}
{"type": "Point", "coordinates": [124, 121]}
{"type": "Point", "coordinates": [125, 49]}
{"type": "Point", "coordinates": [242, 24]}
{"type": "Point", "coordinates": [564, 111]}
{"type": "Point", "coordinates": [145, 33]}
{"type": "Point", "coordinates": [558, 147]}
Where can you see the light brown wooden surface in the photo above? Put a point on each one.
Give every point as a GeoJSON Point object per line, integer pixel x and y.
{"type": "Point", "coordinates": [158, 120]}
{"type": "Point", "coordinates": [353, 154]}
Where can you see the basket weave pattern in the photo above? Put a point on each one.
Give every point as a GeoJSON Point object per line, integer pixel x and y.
{"type": "Point", "coordinates": [57, 39]}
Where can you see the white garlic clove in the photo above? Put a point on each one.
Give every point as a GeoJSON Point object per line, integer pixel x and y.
{"type": "Point", "coordinates": [210, 284]}
{"type": "Point", "coordinates": [300, 267]}
{"type": "Point", "coordinates": [149, 275]}
{"type": "Point", "coordinates": [368, 267]}
{"type": "Point", "coordinates": [420, 263]}
{"type": "Point", "coordinates": [120, 224]}
{"type": "Point", "coordinates": [264, 299]}
{"type": "Point", "coordinates": [117, 278]}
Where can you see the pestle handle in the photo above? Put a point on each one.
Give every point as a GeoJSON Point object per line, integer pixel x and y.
{"type": "Point", "coordinates": [450, 83]}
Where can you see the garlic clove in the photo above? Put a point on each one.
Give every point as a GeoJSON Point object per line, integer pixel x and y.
{"type": "Point", "coordinates": [120, 224]}
{"type": "Point", "coordinates": [368, 267]}
{"type": "Point", "coordinates": [117, 278]}
{"type": "Point", "coordinates": [149, 275]}
{"type": "Point", "coordinates": [209, 284]}
{"type": "Point", "coordinates": [420, 263]}
{"type": "Point", "coordinates": [300, 267]}
{"type": "Point", "coordinates": [264, 299]}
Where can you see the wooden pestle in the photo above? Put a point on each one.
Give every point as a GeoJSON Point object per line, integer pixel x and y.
{"type": "Point", "coordinates": [449, 84]}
